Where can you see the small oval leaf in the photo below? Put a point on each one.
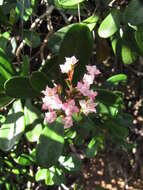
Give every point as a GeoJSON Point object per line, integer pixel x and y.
{"type": "Point", "coordinates": [110, 24]}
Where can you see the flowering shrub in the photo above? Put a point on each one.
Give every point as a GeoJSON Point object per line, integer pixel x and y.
{"type": "Point", "coordinates": [79, 118]}
{"type": "Point", "coordinates": [77, 100]}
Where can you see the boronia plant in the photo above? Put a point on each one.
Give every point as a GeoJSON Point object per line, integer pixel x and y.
{"type": "Point", "coordinates": [59, 102]}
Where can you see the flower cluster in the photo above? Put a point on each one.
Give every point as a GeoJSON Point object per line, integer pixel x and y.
{"type": "Point", "coordinates": [83, 100]}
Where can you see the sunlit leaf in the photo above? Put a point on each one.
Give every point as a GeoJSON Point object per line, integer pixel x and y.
{"type": "Point", "coordinates": [50, 144]}
{"type": "Point", "coordinates": [110, 24]}
{"type": "Point", "coordinates": [13, 128]}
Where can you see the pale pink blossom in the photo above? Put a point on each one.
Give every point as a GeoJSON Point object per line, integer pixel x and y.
{"type": "Point", "coordinates": [50, 91]}
{"type": "Point", "coordinates": [51, 102]}
{"type": "Point", "coordinates": [67, 121]}
{"type": "Point", "coordinates": [70, 107]}
{"type": "Point", "coordinates": [50, 117]}
{"type": "Point", "coordinates": [87, 106]}
{"type": "Point", "coordinates": [83, 88]}
{"type": "Point", "coordinates": [91, 94]}
{"type": "Point", "coordinates": [68, 65]}
{"type": "Point", "coordinates": [92, 70]}
{"type": "Point", "coordinates": [88, 79]}
{"type": "Point", "coordinates": [51, 99]}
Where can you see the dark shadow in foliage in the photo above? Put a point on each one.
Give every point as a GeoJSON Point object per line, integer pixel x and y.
{"type": "Point", "coordinates": [12, 118]}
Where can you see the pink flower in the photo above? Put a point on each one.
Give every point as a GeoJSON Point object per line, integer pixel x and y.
{"type": "Point", "coordinates": [67, 121]}
{"type": "Point", "coordinates": [50, 116]}
{"type": "Point", "coordinates": [88, 79]}
{"type": "Point", "coordinates": [70, 107]}
{"type": "Point", "coordinates": [87, 106]}
{"type": "Point", "coordinates": [70, 62]}
{"type": "Point", "coordinates": [51, 99]}
{"type": "Point", "coordinates": [52, 102]}
{"type": "Point", "coordinates": [92, 70]}
{"type": "Point", "coordinates": [83, 88]}
{"type": "Point", "coordinates": [91, 94]}
{"type": "Point", "coordinates": [50, 91]}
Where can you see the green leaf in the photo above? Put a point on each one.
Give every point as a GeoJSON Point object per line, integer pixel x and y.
{"type": "Point", "coordinates": [54, 42]}
{"type": "Point", "coordinates": [127, 55]}
{"type": "Point", "coordinates": [133, 13]}
{"type": "Point", "coordinates": [32, 122]}
{"type": "Point", "coordinates": [52, 176]}
{"type": "Point", "coordinates": [24, 160]}
{"type": "Point", "coordinates": [110, 24]}
{"type": "Point", "coordinates": [13, 128]}
{"type": "Point", "coordinates": [32, 39]}
{"type": "Point", "coordinates": [66, 4]}
{"type": "Point", "coordinates": [42, 174]}
{"type": "Point", "coordinates": [25, 66]}
{"type": "Point", "coordinates": [91, 21]}
{"type": "Point", "coordinates": [5, 63]}
{"type": "Point", "coordinates": [19, 87]}
{"type": "Point", "coordinates": [50, 144]}
{"type": "Point", "coordinates": [4, 100]}
{"type": "Point", "coordinates": [78, 41]}
{"type": "Point", "coordinates": [92, 149]}
{"type": "Point", "coordinates": [96, 143]}
{"type": "Point", "coordinates": [115, 79]}
{"type": "Point", "coordinates": [139, 38]}
{"type": "Point", "coordinates": [71, 163]}
{"type": "Point", "coordinates": [39, 81]}
{"type": "Point", "coordinates": [108, 98]}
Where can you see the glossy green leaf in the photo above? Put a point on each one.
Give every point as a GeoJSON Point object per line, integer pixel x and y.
{"type": "Point", "coordinates": [109, 98]}
{"type": "Point", "coordinates": [54, 42]}
{"type": "Point", "coordinates": [42, 174]}
{"type": "Point", "coordinates": [71, 163]}
{"type": "Point", "coordinates": [32, 122]}
{"type": "Point", "coordinates": [13, 128]}
{"type": "Point", "coordinates": [110, 24]}
{"type": "Point", "coordinates": [39, 81]}
{"type": "Point", "coordinates": [92, 148]}
{"type": "Point", "coordinates": [94, 145]}
{"type": "Point", "coordinates": [115, 79]}
{"type": "Point", "coordinates": [5, 63]}
{"type": "Point", "coordinates": [139, 38]}
{"type": "Point", "coordinates": [56, 175]}
{"type": "Point", "coordinates": [127, 55]}
{"type": "Point", "coordinates": [50, 144]}
{"type": "Point", "coordinates": [51, 176]}
{"type": "Point", "coordinates": [134, 12]}
{"type": "Point", "coordinates": [91, 21]}
{"type": "Point", "coordinates": [4, 99]}
{"type": "Point", "coordinates": [20, 87]}
{"type": "Point", "coordinates": [78, 41]}
{"type": "Point", "coordinates": [66, 4]}
{"type": "Point", "coordinates": [24, 160]}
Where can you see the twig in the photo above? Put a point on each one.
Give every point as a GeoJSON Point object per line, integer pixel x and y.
{"type": "Point", "coordinates": [79, 18]}
{"type": "Point", "coordinates": [50, 28]}
{"type": "Point", "coordinates": [33, 26]}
